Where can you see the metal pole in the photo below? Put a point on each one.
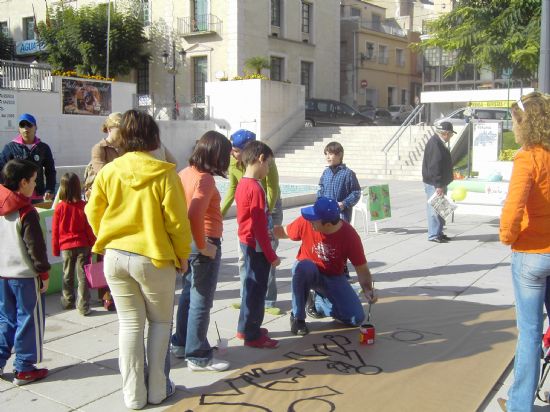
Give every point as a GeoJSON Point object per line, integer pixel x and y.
{"type": "Point", "coordinates": [174, 107]}
{"type": "Point", "coordinates": [108, 35]}
{"type": "Point", "coordinates": [544, 59]}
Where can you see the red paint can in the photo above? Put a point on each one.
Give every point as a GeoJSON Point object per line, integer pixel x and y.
{"type": "Point", "coordinates": [367, 334]}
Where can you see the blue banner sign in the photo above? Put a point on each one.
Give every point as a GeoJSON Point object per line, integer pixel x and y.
{"type": "Point", "coordinates": [27, 47]}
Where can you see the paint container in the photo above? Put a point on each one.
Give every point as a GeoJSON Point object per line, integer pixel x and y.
{"type": "Point", "coordinates": [367, 334]}
{"type": "Point", "coordinates": [222, 346]}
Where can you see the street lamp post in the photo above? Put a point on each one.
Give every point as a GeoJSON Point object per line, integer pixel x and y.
{"type": "Point", "coordinates": [172, 68]}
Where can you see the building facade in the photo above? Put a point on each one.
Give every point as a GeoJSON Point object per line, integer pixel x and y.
{"type": "Point", "coordinates": [378, 68]}
{"type": "Point", "coordinates": [196, 41]}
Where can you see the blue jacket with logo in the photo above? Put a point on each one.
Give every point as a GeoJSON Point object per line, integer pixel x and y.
{"type": "Point", "coordinates": [40, 154]}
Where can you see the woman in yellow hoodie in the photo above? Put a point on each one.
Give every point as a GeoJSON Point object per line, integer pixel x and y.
{"type": "Point", "coordinates": [525, 225]}
{"type": "Point", "coordinates": [138, 213]}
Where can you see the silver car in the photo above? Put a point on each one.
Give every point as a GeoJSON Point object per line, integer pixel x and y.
{"type": "Point", "coordinates": [458, 117]}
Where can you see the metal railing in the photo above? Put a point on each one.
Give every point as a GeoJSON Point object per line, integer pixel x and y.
{"type": "Point", "coordinates": [383, 28]}
{"type": "Point", "coordinates": [416, 113]}
{"type": "Point", "coordinates": [26, 76]}
{"type": "Point", "coordinates": [197, 109]}
{"type": "Point", "coordinates": [204, 23]}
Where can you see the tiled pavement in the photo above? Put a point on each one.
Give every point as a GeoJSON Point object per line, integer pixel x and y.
{"type": "Point", "coordinates": [81, 353]}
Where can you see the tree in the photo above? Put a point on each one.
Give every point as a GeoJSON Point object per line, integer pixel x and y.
{"type": "Point", "coordinates": [76, 39]}
{"type": "Point", "coordinates": [257, 63]}
{"type": "Point", "coordinates": [6, 47]}
{"type": "Point", "coordinates": [497, 34]}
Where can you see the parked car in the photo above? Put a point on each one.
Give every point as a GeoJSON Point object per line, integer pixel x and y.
{"type": "Point", "coordinates": [400, 112]}
{"type": "Point", "coordinates": [325, 112]}
{"type": "Point", "coordinates": [383, 117]}
{"type": "Point", "coordinates": [458, 117]}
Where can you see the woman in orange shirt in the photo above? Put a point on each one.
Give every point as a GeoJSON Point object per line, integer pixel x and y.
{"type": "Point", "coordinates": [525, 225]}
{"type": "Point", "coordinates": [210, 157]}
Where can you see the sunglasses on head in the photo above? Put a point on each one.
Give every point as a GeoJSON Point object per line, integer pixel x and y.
{"type": "Point", "coordinates": [25, 124]}
{"type": "Point", "coordinates": [527, 97]}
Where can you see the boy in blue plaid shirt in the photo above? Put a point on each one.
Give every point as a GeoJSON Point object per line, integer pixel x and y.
{"type": "Point", "coordinates": [338, 182]}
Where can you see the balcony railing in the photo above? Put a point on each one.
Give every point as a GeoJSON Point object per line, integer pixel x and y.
{"type": "Point", "coordinates": [201, 24]}
{"type": "Point", "coordinates": [26, 76]}
{"type": "Point", "coordinates": [383, 28]}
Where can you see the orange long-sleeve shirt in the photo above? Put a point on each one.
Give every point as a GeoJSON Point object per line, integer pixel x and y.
{"type": "Point", "coordinates": [525, 219]}
{"type": "Point", "coordinates": [203, 200]}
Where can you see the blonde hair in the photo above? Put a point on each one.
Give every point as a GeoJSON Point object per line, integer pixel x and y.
{"type": "Point", "coordinates": [531, 115]}
{"type": "Point", "coordinates": [113, 120]}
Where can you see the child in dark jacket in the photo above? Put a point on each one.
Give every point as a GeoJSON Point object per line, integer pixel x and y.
{"type": "Point", "coordinates": [23, 273]}
{"type": "Point", "coordinates": [73, 236]}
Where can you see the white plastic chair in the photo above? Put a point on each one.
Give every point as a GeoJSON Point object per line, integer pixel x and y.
{"type": "Point", "coordinates": [363, 207]}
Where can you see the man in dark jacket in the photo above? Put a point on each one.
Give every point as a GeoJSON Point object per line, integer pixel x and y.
{"type": "Point", "coordinates": [27, 146]}
{"type": "Point", "coordinates": [437, 173]}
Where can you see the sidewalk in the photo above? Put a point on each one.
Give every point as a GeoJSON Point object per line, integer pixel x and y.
{"type": "Point", "coordinates": [82, 354]}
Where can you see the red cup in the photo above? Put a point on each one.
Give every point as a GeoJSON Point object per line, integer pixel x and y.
{"type": "Point", "coordinates": [366, 334]}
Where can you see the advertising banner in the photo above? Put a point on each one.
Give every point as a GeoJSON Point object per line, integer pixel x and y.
{"type": "Point", "coordinates": [8, 111]}
{"type": "Point", "coordinates": [86, 97]}
{"type": "Point", "coordinates": [485, 145]}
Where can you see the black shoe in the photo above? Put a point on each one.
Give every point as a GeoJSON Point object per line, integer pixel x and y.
{"type": "Point", "coordinates": [445, 237]}
{"type": "Point", "coordinates": [310, 306]}
{"type": "Point", "coordinates": [298, 327]}
{"type": "Point", "coordinates": [438, 240]}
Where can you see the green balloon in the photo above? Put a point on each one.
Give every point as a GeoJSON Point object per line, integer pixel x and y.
{"type": "Point", "coordinates": [459, 193]}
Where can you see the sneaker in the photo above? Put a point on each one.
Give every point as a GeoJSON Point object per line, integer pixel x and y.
{"type": "Point", "coordinates": [263, 332]}
{"type": "Point", "coordinates": [263, 342]}
{"type": "Point", "coordinates": [297, 326]}
{"type": "Point", "coordinates": [178, 351]}
{"type": "Point", "coordinates": [22, 378]}
{"type": "Point", "coordinates": [172, 390]}
{"type": "Point", "coordinates": [85, 312]}
{"type": "Point", "coordinates": [214, 365]}
{"type": "Point", "coordinates": [273, 311]}
{"type": "Point", "coordinates": [310, 306]}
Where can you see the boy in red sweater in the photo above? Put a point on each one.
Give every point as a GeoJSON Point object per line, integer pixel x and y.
{"type": "Point", "coordinates": [73, 236]}
{"type": "Point", "coordinates": [23, 273]}
{"type": "Point", "coordinates": [255, 244]}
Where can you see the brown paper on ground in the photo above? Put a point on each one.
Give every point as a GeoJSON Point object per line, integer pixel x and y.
{"type": "Point", "coordinates": [429, 355]}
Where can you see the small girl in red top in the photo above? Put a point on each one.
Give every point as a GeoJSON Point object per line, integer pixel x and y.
{"type": "Point", "coordinates": [73, 236]}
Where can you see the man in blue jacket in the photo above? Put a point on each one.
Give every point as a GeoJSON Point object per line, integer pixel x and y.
{"type": "Point", "coordinates": [28, 146]}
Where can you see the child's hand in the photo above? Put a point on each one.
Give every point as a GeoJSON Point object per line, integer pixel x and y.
{"type": "Point", "coordinates": [210, 250]}
{"type": "Point", "coordinates": [184, 265]}
{"type": "Point", "coordinates": [371, 296]}
{"type": "Point", "coordinates": [341, 205]}
{"type": "Point", "coordinates": [276, 262]}
{"type": "Point", "coordinates": [45, 284]}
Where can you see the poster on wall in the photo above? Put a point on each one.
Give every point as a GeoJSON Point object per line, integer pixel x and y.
{"type": "Point", "coordinates": [8, 111]}
{"type": "Point", "coordinates": [486, 137]}
{"type": "Point", "coordinates": [379, 202]}
{"type": "Point", "coordinates": [86, 97]}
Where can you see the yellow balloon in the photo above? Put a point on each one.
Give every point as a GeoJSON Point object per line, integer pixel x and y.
{"type": "Point", "coordinates": [459, 193]}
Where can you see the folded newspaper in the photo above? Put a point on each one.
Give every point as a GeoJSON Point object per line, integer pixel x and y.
{"type": "Point", "coordinates": [442, 205]}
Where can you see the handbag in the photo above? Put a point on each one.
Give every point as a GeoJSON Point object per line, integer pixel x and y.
{"type": "Point", "coordinates": [94, 275]}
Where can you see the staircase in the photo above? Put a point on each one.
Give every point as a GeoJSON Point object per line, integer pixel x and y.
{"type": "Point", "coordinates": [302, 155]}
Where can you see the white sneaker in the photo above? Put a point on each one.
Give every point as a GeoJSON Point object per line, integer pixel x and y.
{"type": "Point", "coordinates": [215, 365]}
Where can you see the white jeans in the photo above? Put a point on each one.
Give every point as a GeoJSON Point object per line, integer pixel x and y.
{"type": "Point", "coordinates": [141, 291]}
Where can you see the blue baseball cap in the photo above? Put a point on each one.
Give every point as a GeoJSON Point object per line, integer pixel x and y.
{"type": "Point", "coordinates": [323, 209]}
{"type": "Point", "coordinates": [26, 117]}
{"type": "Point", "coordinates": [241, 137]}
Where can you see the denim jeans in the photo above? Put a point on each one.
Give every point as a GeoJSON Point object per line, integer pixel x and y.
{"type": "Point", "coordinates": [275, 218]}
{"type": "Point", "coordinates": [73, 263]}
{"type": "Point", "coordinates": [21, 322]}
{"type": "Point", "coordinates": [529, 273]}
{"type": "Point", "coordinates": [142, 292]}
{"type": "Point", "coordinates": [195, 302]}
{"type": "Point", "coordinates": [251, 315]}
{"type": "Point", "coordinates": [335, 296]}
{"type": "Point", "coordinates": [435, 222]}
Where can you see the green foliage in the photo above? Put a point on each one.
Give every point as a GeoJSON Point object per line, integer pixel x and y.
{"type": "Point", "coordinates": [257, 63]}
{"type": "Point", "coordinates": [490, 33]}
{"type": "Point", "coordinates": [77, 39]}
{"type": "Point", "coordinates": [6, 47]}
{"type": "Point", "coordinates": [507, 154]}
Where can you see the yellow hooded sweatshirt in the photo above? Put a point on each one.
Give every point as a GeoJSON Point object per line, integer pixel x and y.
{"type": "Point", "coordinates": [138, 205]}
